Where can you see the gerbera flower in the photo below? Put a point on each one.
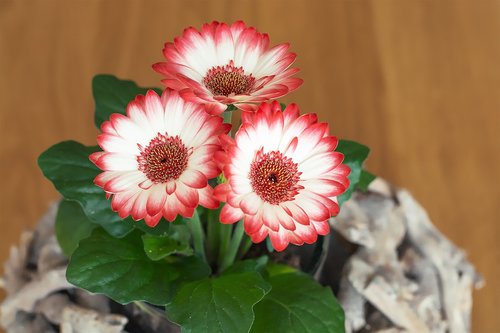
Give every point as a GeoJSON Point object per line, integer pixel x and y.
{"type": "Point", "coordinates": [283, 176]}
{"type": "Point", "coordinates": [157, 159]}
{"type": "Point", "coordinates": [222, 65]}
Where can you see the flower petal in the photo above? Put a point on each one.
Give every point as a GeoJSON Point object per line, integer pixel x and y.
{"type": "Point", "coordinates": [279, 239]}
{"type": "Point", "coordinates": [229, 214]}
{"type": "Point", "coordinates": [207, 198]}
{"type": "Point", "coordinates": [194, 178]}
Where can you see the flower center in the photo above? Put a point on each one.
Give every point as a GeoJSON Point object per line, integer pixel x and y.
{"type": "Point", "coordinates": [227, 80]}
{"type": "Point", "coordinates": [164, 159]}
{"type": "Point", "coordinates": [274, 177]}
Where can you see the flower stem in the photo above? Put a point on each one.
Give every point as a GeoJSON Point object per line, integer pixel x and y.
{"type": "Point", "coordinates": [213, 234]}
{"type": "Point", "coordinates": [198, 235]}
{"type": "Point", "coordinates": [224, 237]}
{"type": "Point", "coordinates": [246, 244]}
{"type": "Point", "coordinates": [228, 115]}
{"type": "Point", "coordinates": [234, 245]}
{"type": "Point", "coordinates": [224, 230]}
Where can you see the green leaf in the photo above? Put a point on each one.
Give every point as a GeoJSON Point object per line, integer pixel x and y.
{"type": "Point", "coordinates": [112, 95]}
{"type": "Point", "coordinates": [298, 304]}
{"type": "Point", "coordinates": [218, 304]}
{"type": "Point", "coordinates": [120, 269]}
{"type": "Point", "coordinates": [249, 265]}
{"type": "Point", "coordinates": [365, 179]}
{"type": "Point", "coordinates": [72, 225]}
{"type": "Point", "coordinates": [176, 241]}
{"type": "Point", "coordinates": [277, 269]}
{"type": "Point", "coordinates": [157, 248]}
{"type": "Point", "coordinates": [67, 165]}
{"type": "Point", "coordinates": [161, 229]}
{"type": "Point", "coordinates": [354, 156]}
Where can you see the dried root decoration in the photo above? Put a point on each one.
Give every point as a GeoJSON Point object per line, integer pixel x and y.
{"type": "Point", "coordinates": [391, 269]}
{"type": "Point", "coordinates": [404, 275]}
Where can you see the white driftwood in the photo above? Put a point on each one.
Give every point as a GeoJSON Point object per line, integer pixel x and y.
{"type": "Point", "coordinates": [413, 278]}
{"type": "Point", "coordinates": [457, 276]}
{"type": "Point", "coordinates": [50, 256]}
{"type": "Point", "coordinates": [52, 307]}
{"type": "Point", "coordinates": [29, 322]}
{"type": "Point", "coordinates": [353, 305]}
{"type": "Point", "coordinates": [35, 290]}
{"type": "Point", "coordinates": [95, 302]}
{"type": "Point", "coordinates": [15, 273]}
{"type": "Point", "coordinates": [400, 275]}
{"type": "Point", "coordinates": [76, 319]}
{"type": "Point", "coordinates": [383, 296]}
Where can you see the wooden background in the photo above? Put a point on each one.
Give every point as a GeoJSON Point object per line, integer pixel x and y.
{"type": "Point", "coordinates": [417, 81]}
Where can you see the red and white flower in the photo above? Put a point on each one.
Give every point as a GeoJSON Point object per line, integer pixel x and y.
{"type": "Point", "coordinates": [283, 176]}
{"type": "Point", "coordinates": [222, 65]}
{"type": "Point", "coordinates": [157, 159]}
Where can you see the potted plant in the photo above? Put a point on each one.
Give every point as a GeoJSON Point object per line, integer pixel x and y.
{"type": "Point", "coordinates": [184, 218]}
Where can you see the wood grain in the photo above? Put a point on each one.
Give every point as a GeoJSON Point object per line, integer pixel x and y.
{"type": "Point", "coordinates": [417, 81]}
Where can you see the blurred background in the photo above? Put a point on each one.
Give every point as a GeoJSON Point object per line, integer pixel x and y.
{"type": "Point", "coordinates": [418, 81]}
